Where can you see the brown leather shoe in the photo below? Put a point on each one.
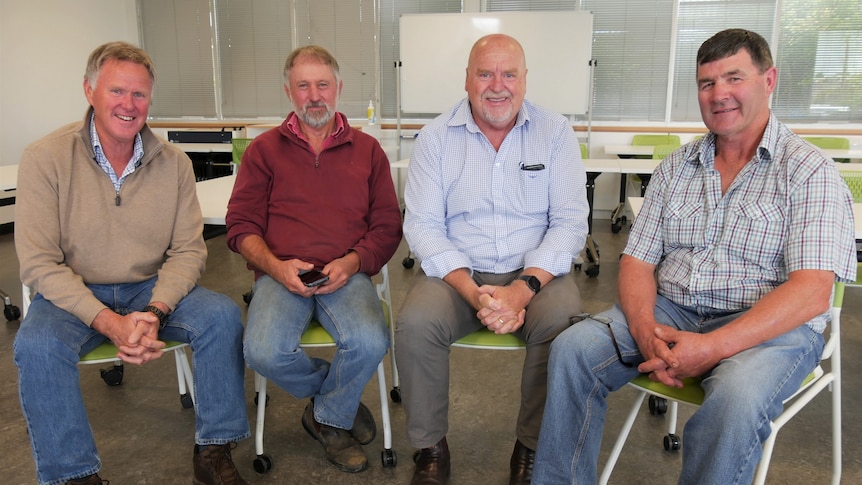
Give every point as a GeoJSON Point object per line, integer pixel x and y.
{"type": "Point", "coordinates": [364, 428]}
{"type": "Point", "coordinates": [432, 465]}
{"type": "Point", "coordinates": [341, 449]}
{"type": "Point", "coordinates": [214, 466]}
{"type": "Point", "coordinates": [93, 479]}
{"type": "Point", "coordinates": [521, 465]}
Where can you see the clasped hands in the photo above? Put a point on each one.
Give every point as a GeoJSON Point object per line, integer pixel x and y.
{"type": "Point", "coordinates": [136, 335]}
{"type": "Point", "coordinates": [500, 308]}
{"type": "Point", "coordinates": [672, 355]}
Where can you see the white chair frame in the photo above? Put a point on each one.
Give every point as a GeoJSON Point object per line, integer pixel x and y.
{"type": "Point", "coordinates": [817, 382]}
{"type": "Point", "coordinates": [263, 462]}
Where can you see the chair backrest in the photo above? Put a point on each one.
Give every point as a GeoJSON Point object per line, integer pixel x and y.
{"type": "Point", "coordinates": [854, 183]}
{"type": "Point", "coordinates": [239, 146]}
{"type": "Point", "coordinates": [834, 142]}
{"type": "Point", "coordinates": [661, 151]}
{"type": "Point", "coordinates": [584, 152]}
{"type": "Point", "coordinates": [654, 140]}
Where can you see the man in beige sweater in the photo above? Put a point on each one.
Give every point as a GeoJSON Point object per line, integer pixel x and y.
{"type": "Point", "coordinates": [109, 236]}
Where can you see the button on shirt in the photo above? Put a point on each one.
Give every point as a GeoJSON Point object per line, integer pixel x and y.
{"type": "Point", "coordinates": [471, 206]}
{"type": "Point", "coordinates": [788, 209]}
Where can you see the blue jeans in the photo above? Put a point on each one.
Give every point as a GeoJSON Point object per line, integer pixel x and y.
{"type": "Point", "coordinates": [723, 438]}
{"type": "Point", "coordinates": [50, 342]}
{"type": "Point", "coordinates": [353, 316]}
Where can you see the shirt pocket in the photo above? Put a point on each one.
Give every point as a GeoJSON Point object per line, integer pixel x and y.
{"type": "Point", "coordinates": [757, 231]}
{"type": "Point", "coordinates": [534, 191]}
{"type": "Point", "coordinates": [683, 224]}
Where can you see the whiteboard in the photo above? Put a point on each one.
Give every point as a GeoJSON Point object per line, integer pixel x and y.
{"type": "Point", "coordinates": [435, 49]}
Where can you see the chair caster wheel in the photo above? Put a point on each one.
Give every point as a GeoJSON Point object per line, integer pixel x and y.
{"type": "Point", "coordinates": [12, 312]}
{"type": "Point", "coordinates": [408, 262]}
{"type": "Point", "coordinates": [186, 401]}
{"type": "Point", "coordinates": [256, 395]}
{"type": "Point", "coordinates": [671, 442]}
{"type": "Point", "coordinates": [395, 394]}
{"type": "Point", "coordinates": [389, 458]}
{"type": "Point", "coordinates": [247, 296]}
{"type": "Point", "coordinates": [262, 464]}
{"type": "Point", "coordinates": [593, 271]}
{"type": "Point", "coordinates": [113, 376]}
{"type": "Point", "coordinates": [657, 405]}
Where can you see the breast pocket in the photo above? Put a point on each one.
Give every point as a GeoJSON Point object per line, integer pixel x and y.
{"type": "Point", "coordinates": [684, 224]}
{"type": "Point", "coordinates": [757, 226]}
{"type": "Point", "coordinates": [535, 191]}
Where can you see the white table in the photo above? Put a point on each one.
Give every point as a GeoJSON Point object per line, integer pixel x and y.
{"type": "Point", "coordinates": [8, 177]}
{"type": "Point", "coordinates": [857, 216]}
{"type": "Point", "coordinates": [204, 147]}
{"type": "Point", "coordinates": [213, 196]}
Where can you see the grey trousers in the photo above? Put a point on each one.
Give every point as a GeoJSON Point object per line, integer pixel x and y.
{"type": "Point", "coordinates": [434, 316]}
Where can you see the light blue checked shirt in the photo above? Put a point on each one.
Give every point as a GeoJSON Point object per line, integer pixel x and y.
{"type": "Point", "coordinates": [469, 206]}
{"type": "Point", "coordinates": [103, 162]}
{"type": "Point", "coordinates": [788, 209]}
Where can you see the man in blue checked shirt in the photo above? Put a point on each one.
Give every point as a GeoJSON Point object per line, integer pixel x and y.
{"type": "Point", "coordinates": [496, 211]}
{"type": "Point", "coordinates": [727, 274]}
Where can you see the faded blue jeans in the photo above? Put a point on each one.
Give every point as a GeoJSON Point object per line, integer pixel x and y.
{"type": "Point", "coordinates": [352, 315]}
{"type": "Point", "coordinates": [722, 440]}
{"type": "Point", "coordinates": [50, 342]}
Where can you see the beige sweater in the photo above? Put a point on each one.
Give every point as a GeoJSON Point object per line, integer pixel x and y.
{"type": "Point", "coordinates": [70, 230]}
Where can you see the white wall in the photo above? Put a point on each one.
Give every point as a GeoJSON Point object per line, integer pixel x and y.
{"type": "Point", "coordinates": [43, 54]}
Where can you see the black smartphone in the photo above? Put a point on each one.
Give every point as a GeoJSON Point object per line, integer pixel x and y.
{"type": "Point", "coordinates": [312, 278]}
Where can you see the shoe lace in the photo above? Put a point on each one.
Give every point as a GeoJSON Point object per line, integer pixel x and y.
{"type": "Point", "coordinates": [223, 463]}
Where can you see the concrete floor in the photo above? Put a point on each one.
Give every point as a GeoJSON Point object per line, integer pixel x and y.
{"type": "Point", "coordinates": [145, 437]}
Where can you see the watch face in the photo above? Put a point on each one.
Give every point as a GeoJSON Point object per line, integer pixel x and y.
{"type": "Point", "coordinates": [533, 283]}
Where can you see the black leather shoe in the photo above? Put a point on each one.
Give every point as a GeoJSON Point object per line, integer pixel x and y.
{"type": "Point", "coordinates": [432, 465]}
{"type": "Point", "coordinates": [364, 428]}
{"type": "Point", "coordinates": [521, 465]}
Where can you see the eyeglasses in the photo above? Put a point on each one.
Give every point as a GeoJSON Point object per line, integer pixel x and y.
{"type": "Point", "coordinates": [607, 321]}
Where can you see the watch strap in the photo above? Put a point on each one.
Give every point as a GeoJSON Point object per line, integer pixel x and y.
{"type": "Point", "coordinates": [163, 318]}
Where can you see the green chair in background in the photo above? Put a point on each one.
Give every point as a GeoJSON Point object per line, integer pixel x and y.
{"type": "Point", "coordinates": [584, 152]}
{"type": "Point", "coordinates": [854, 183]}
{"type": "Point", "coordinates": [653, 140]}
{"type": "Point", "coordinates": [239, 146]}
{"type": "Point", "coordinates": [662, 151]}
{"type": "Point", "coordinates": [830, 143]}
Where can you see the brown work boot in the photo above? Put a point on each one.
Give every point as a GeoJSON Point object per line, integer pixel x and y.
{"type": "Point", "coordinates": [214, 466]}
{"type": "Point", "coordinates": [342, 450]}
{"type": "Point", "coordinates": [93, 479]}
{"type": "Point", "coordinates": [364, 428]}
{"type": "Point", "coordinates": [432, 465]}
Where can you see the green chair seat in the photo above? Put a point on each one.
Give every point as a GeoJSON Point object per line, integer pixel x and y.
{"type": "Point", "coordinates": [486, 339]}
{"type": "Point", "coordinates": [830, 143]}
{"type": "Point", "coordinates": [107, 352]}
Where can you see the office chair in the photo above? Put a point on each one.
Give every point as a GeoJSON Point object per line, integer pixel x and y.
{"type": "Point", "coordinates": [692, 393]}
{"type": "Point", "coordinates": [107, 353]}
{"type": "Point", "coordinates": [830, 142]}
{"type": "Point", "coordinates": [660, 152]}
{"type": "Point", "coordinates": [618, 217]}
{"type": "Point", "coordinates": [316, 336]}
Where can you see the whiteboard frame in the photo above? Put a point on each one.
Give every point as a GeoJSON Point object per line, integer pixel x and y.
{"type": "Point", "coordinates": [435, 49]}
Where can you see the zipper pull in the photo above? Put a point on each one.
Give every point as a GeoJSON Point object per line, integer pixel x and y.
{"type": "Point", "coordinates": [117, 199]}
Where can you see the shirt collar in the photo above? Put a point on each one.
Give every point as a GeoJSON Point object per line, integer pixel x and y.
{"type": "Point", "coordinates": [293, 125]}
{"type": "Point", "coordinates": [138, 150]}
{"type": "Point", "coordinates": [464, 116]}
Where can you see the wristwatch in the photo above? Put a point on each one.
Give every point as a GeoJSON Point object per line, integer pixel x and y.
{"type": "Point", "coordinates": [163, 319]}
{"type": "Point", "coordinates": [532, 282]}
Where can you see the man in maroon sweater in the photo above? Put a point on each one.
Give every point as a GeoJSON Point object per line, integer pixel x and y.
{"type": "Point", "coordinates": [316, 194]}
